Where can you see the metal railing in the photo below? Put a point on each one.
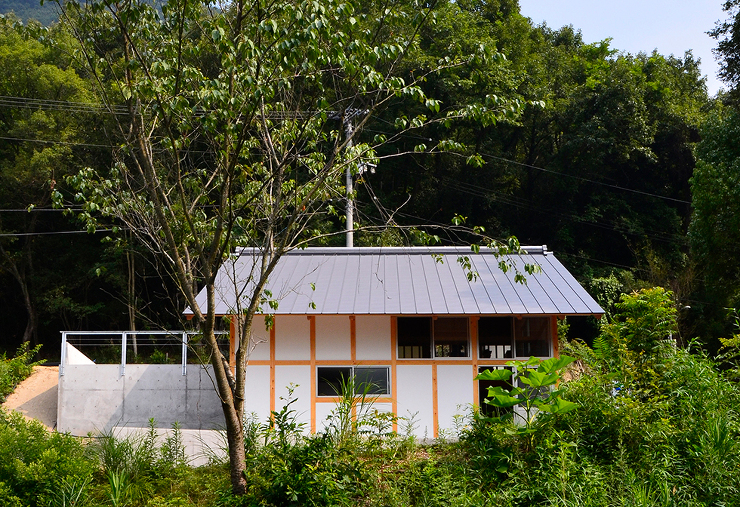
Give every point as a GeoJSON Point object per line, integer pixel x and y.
{"type": "Point", "coordinates": [182, 339]}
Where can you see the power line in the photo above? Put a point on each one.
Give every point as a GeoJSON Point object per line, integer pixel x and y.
{"type": "Point", "coordinates": [28, 103]}
{"type": "Point", "coordinates": [587, 180]}
{"type": "Point", "coordinates": [60, 105]}
{"type": "Point", "coordinates": [525, 203]}
{"type": "Point", "coordinates": [21, 234]}
{"type": "Point", "coordinates": [543, 169]}
{"type": "Point", "coordinates": [42, 141]}
{"type": "Point", "coordinates": [30, 210]}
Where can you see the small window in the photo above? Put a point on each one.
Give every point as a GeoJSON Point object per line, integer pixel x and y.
{"type": "Point", "coordinates": [332, 380]}
{"type": "Point", "coordinates": [532, 336]}
{"type": "Point", "coordinates": [451, 337]}
{"type": "Point", "coordinates": [414, 337]}
{"type": "Point", "coordinates": [371, 380]}
{"type": "Point", "coordinates": [495, 337]}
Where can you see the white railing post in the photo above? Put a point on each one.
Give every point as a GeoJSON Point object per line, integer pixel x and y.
{"type": "Point", "coordinates": [124, 337]}
{"type": "Point", "coordinates": [184, 353]}
{"type": "Point", "coordinates": [63, 356]}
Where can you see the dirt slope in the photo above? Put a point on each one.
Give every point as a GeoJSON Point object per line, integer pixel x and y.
{"type": "Point", "coordinates": [36, 397]}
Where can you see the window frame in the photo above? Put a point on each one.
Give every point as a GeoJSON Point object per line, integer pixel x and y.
{"type": "Point", "coordinates": [432, 345]}
{"type": "Point", "coordinates": [353, 369]}
{"type": "Point", "coordinates": [513, 323]}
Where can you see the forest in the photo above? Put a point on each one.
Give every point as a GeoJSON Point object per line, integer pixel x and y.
{"type": "Point", "coordinates": [142, 143]}
{"type": "Point", "coordinates": [621, 164]}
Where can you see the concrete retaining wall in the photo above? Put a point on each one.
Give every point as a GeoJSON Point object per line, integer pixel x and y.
{"type": "Point", "coordinates": [96, 398]}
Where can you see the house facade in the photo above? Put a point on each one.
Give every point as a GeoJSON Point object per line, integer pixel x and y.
{"type": "Point", "coordinates": [413, 326]}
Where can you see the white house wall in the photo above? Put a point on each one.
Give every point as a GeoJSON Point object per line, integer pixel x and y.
{"type": "Point", "coordinates": [333, 338]}
{"type": "Point", "coordinates": [429, 392]}
{"type": "Point", "coordinates": [257, 392]}
{"type": "Point", "coordinates": [323, 411]}
{"type": "Point", "coordinates": [292, 338]}
{"type": "Point", "coordinates": [452, 398]}
{"type": "Point", "coordinates": [300, 378]}
{"type": "Point", "coordinates": [373, 335]}
{"type": "Point", "coordinates": [260, 340]}
{"type": "Point", "coordinates": [415, 398]}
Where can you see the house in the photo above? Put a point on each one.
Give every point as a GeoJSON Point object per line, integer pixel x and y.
{"type": "Point", "coordinates": [412, 324]}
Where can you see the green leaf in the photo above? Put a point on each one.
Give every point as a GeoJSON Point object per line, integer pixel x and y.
{"type": "Point", "coordinates": [555, 364]}
{"type": "Point", "coordinates": [558, 406]}
{"type": "Point", "coordinates": [498, 374]}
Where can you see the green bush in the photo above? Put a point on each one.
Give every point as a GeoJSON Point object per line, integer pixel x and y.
{"type": "Point", "coordinates": [15, 370]}
{"type": "Point", "coordinates": [36, 463]}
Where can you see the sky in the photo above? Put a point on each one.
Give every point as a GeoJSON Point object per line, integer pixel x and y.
{"type": "Point", "coordinates": [670, 26]}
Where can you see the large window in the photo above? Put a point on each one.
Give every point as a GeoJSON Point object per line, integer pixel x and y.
{"type": "Point", "coordinates": [495, 337]}
{"type": "Point", "coordinates": [333, 380]}
{"type": "Point", "coordinates": [414, 337]}
{"type": "Point", "coordinates": [508, 337]}
{"type": "Point", "coordinates": [425, 337]}
{"type": "Point", "coordinates": [532, 336]}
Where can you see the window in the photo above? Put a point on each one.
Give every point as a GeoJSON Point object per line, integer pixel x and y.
{"type": "Point", "coordinates": [451, 337]}
{"type": "Point", "coordinates": [508, 337]}
{"type": "Point", "coordinates": [414, 337]}
{"type": "Point", "coordinates": [532, 336]}
{"type": "Point", "coordinates": [495, 337]}
{"type": "Point", "coordinates": [331, 380]}
{"type": "Point", "coordinates": [420, 337]}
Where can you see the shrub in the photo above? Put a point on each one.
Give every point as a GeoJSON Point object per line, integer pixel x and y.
{"type": "Point", "coordinates": [35, 463]}
{"type": "Point", "coordinates": [15, 370]}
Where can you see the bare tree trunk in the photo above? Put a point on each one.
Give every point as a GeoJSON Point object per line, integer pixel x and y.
{"type": "Point", "coordinates": [226, 388]}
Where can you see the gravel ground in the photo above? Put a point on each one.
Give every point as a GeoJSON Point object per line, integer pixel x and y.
{"type": "Point", "coordinates": [36, 397]}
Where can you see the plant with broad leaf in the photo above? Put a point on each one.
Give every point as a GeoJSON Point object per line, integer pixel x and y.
{"type": "Point", "coordinates": [534, 395]}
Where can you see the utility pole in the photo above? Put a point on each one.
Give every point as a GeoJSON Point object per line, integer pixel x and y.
{"type": "Point", "coordinates": [349, 186]}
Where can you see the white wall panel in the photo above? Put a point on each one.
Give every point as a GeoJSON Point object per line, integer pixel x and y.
{"type": "Point", "coordinates": [300, 376]}
{"type": "Point", "coordinates": [454, 393]}
{"type": "Point", "coordinates": [333, 339]}
{"type": "Point", "coordinates": [323, 410]}
{"type": "Point", "coordinates": [373, 334]}
{"type": "Point", "coordinates": [260, 340]}
{"type": "Point", "coordinates": [257, 392]}
{"type": "Point", "coordinates": [292, 337]}
{"type": "Point", "coordinates": [414, 392]}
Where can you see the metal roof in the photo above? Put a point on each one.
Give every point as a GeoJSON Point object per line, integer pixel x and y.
{"type": "Point", "coordinates": [405, 281]}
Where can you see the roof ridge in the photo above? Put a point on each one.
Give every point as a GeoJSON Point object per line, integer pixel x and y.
{"type": "Point", "coordinates": [401, 250]}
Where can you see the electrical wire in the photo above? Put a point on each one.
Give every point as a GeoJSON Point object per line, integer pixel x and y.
{"type": "Point", "coordinates": [51, 233]}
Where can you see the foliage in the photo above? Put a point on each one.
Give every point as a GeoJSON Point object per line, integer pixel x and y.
{"type": "Point", "coordinates": [727, 34]}
{"type": "Point", "coordinates": [16, 369]}
{"type": "Point", "coordinates": [534, 379]}
{"type": "Point", "coordinates": [36, 464]}
{"type": "Point", "coordinates": [637, 343]}
{"type": "Point", "coordinates": [730, 351]}
{"type": "Point", "coordinates": [715, 221]}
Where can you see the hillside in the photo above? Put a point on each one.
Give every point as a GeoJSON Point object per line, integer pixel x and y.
{"type": "Point", "coordinates": [30, 9]}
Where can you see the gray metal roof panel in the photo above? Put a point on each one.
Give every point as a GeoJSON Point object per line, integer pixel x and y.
{"type": "Point", "coordinates": [580, 299]}
{"type": "Point", "coordinates": [407, 281]}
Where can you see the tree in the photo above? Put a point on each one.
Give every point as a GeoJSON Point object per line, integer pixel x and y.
{"type": "Point", "coordinates": [715, 223]}
{"type": "Point", "coordinates": [727, 51]}
{"type": "Point", "coordinates": [236, 126]}
{"type": "Point", "coordinates": [37, 148]}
